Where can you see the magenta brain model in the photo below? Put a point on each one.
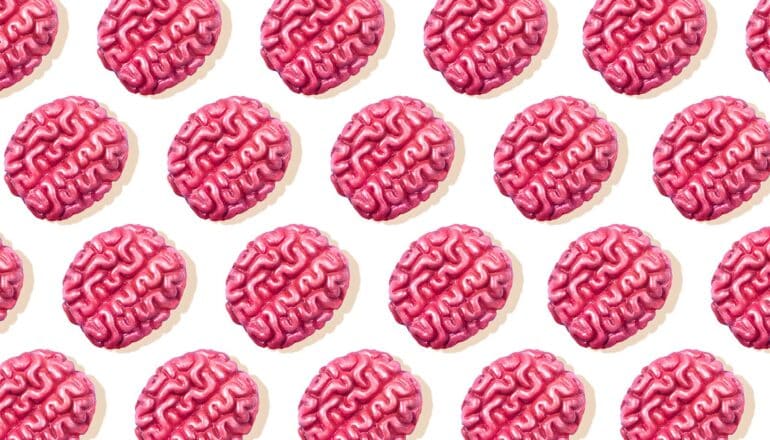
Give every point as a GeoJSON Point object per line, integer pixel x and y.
{"type": "Point", "coordinates": [526, 395]}
{"type": "Point", "coordinates": [391, 157]}
{"type": "Point", "coordinates": [712, 158]}
{"type": "Point", "coordinates": [286, 284]}
{"type": "Point", "coordinates": [554, 157]}
{"type": "Point", "coordinates": [199, 395]}
{"type": "Point", "coordinates": [153, 45]}
{"type": "Point", "coordinates": [758, 38]}
{"type": "Point", "coordinates": [479, 45]}
{"type": "Point", "coordinates": [43, 397]}
{"type": "Point", "coordinates": [638, 45]}
{"type": "Point", "coordinates": [11, 279]}
{"type": "Point", "coordinates": [123, 284]}
{"type": "Point", "coordinates": [27, 32]}
{"type": "Point", "coordinates": [449, 285]}
{"type": "Point", "coordinates": [685, 395]}
{"type": "Point", "coordinates": [228, 157]}
{"type": "Point", "coordinates": [316, 45]}
{"type": "Point", "coordinates": [362, 395]}
{"type": "Point", "coordinates": [65, 157]}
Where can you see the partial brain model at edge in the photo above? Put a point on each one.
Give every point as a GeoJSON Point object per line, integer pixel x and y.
{"type": "Point", "coordinates": [28, 29]}
{"type": "Point", "coordinates": [11, 279]}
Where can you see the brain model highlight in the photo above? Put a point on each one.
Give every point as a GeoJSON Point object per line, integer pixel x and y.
{"type": "Point", "coordinates": [449, 285]}
{"type": "Point", "coordinates": [286, 285]}
{"type": "Point", "coordinates": [685, 395]}
{"type": "Point", "coordinates": [554, 157]}
{"type": "Point", "coordinates": [316, 45]}
{"type": "Point", "coordinates": [153, 45]}
{"type": "Point", "coordinates": [712, 158]}
{"type": "Point", "coordinates": [122, 285]}
{"type": "Point", "coordinates": [11, 279]}
{"type": "Point", "coordinates": [526, 395]}
{"type": "Point", "coordinates": [64, 157]}
{"type": "Point", "coordinates": [480, 45]}
{"type": "Point", "coordinates": [391, 157]}
{"type": "Point", "coordinates": [43, 397]}
{"type": "Point", "coordinates": [196, 396]}
{"type": "Point", "coordinates": [758, 38]}
{"type": "Point", "coordinates": [228, 157]}
{"type": "Point", "coordinates": [27, 32]}
{"type": "Point", "coordinates": [638, 45]}
{"type": "Point", "coordinates": [362, 395]}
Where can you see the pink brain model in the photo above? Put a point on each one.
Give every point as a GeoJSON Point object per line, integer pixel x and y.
{"type": "Point", "coordinates": [712, 158]}
{"type": "Point", "coordinates": [391, 157]}
{"type": "Point", "coordinates": [362, 395]}
{"type": "Point", "coordinates": [199, 395]}
{"type": "Point", "coordinates": [11, 279]}
{"type": "Point", "coordinates": [758, 38]}
{"type": "Point", "coordinates": [554, 157]}
{"type": "Point", "coordinates": [638, 45]}
{"type": "Point", "coordinates": [286, 285]}
{"type": "Point", "coordinates": [27, 32]}
{"type": "Point", "coordinates": [479, 45]}
{"type": "Point", "coordinates": [65, 157]}
{"type": "Point", "coordinates": [153, 45]}
{"type": "Point", "coordinates": [526, 395]}
{"type": "Point", "coordinates": [44, 397]}
{"type": "Point", "coordinates": [608, 285]}
{"type": "Point", "coordinates": [316, 45]}
{"type": "Point", "coordinates": [122, 285]}
{"type": "Point", "coordinates": [685, 395]}
{"type": "Point", "coordinates": [228, 157]}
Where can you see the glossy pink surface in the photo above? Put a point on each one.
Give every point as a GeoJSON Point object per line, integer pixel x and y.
{"type": "Point", "coordinates": [11, 279]}
{"type": "Point", "coordinates": [28, 30]}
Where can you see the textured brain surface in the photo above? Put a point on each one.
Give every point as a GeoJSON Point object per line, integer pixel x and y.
{"type": "Point", "coordinates": [27, 31]}
{"type": "Point", "coordinates": [758, 38]}
{"type": "Point", "coordinates": [527, 395]}
{"type": "Point", "coordinates": [391, 157]}
{"type": "Point", "coordinates": [363, 395]}
{"type": "Point", "coordinates": [43, 397]}
{"type": "Point", "coordinates": [608, 285]}
{"type": "Point", "coordinates": [11, 279]}
{"type": "Point", "coordinates": [153, 45]}
{"type": "Point", "coordinates": [479, 45]}
{"type": "Point", "coordinates": [286, 285]}
{"type": "Point", "coordinates": [316, 45]}
{"type": "Point", "coordinates": [638, 45]}
{"type": "Point", "coordinates": [201, 395]}
{"type": "Point", "coordinates": [685, 395]}
{"type": "Point", "coordinates": [228, 157]}
{"type": "Point", "coordinates": [712, 158]}
{"type": "Point", "coordinates": [449, 285]}
{"type": "Point", "coordinates": [554, 157]}
{"type": "Point", "coordinates": [123, 284]}
{"type": "Point", "coordinates": [65, 157]}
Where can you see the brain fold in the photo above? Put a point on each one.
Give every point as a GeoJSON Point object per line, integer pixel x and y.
{"type": "Point", "coordinates": [228, 157]}
{"type": "Point", "coordinates": [362, 395]}
{"type": "Point", "coordinates": [11, 279]}
{"type": "Point", "coordinates": [123, 284]}
{"type": "Point", "coordinates": [758, 38]}
{"type": "Point", "coordinates": [64, 157]}
{"type": "Point", "coordinates": [712, 157]}
{"type": "Point", "coordinates": [391, 157]}
{"type": "Point", "coordinates": [201, 395]}
{"type": "Point", "coordinates": [554, 157]}
{"type": "Point", "coordinates": [28, 29]}
{"type": "Point", "coordinates": [286, 285]}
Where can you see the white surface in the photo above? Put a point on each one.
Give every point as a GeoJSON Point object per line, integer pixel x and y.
{"type": "Point", "coordinates": [308, 197]}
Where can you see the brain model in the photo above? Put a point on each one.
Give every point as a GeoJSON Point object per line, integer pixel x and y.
{"type": "Point", "coordinates": [479, 45]}
{"type": "Point", "coordinates": [449, 285]}
{"type": "Point", "coordinates": [153, 45]}
{"type": "Point", "coordinates": [526, 395]}
{"type": "Point", "coordinates": [123, 284]}
{"type": "Point", "coordinates": [27, 31]}
{"type": "Point", "coordinates": [608, 285]}
{"type": "Point", "coordinates": [11, 279]}
{"type": "Point", "coordinates": [713, 157]}
{"type": "Point", "coordinates": [228, 157]}
{"type": "Point", "coordinates": [201, 395]}
{"type": "Point", "coordinates": [65, 157]}
{"type": "Point", "coordinates": [638, 45]}
{"type": "Point", "coordinates": [554, 157]}
{"type": "Point", "coordinates": [316, 45]}
{"type": "Point", "coordinates": [286, 285]}
{"type": "Point", "coordinates": [758, 38]}
{"type": "Point", "coordinates": [43, 397]}
{"type": "Point", "coordinates": [685, 395]}
{"type": "Point", "coordinates": [391, 157]}
{"type": "Point", "coordinates": [363, 395]}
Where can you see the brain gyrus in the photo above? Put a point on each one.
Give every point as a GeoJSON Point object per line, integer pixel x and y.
{"type": "Point", "coordinates": [28, 29]}
{"type": "Point", "coordinates": [758, 38]}
{"type": "Point", "coordinates": [11, 279]}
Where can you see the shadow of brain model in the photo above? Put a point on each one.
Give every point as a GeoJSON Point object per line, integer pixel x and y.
{"type": "Point", "coordinates": [11, 279]}
{"type": "Point", "coordinates": [28, 29]}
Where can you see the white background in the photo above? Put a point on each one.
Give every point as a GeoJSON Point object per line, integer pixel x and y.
{"type": "Point", "coordinates": [307, 196]}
